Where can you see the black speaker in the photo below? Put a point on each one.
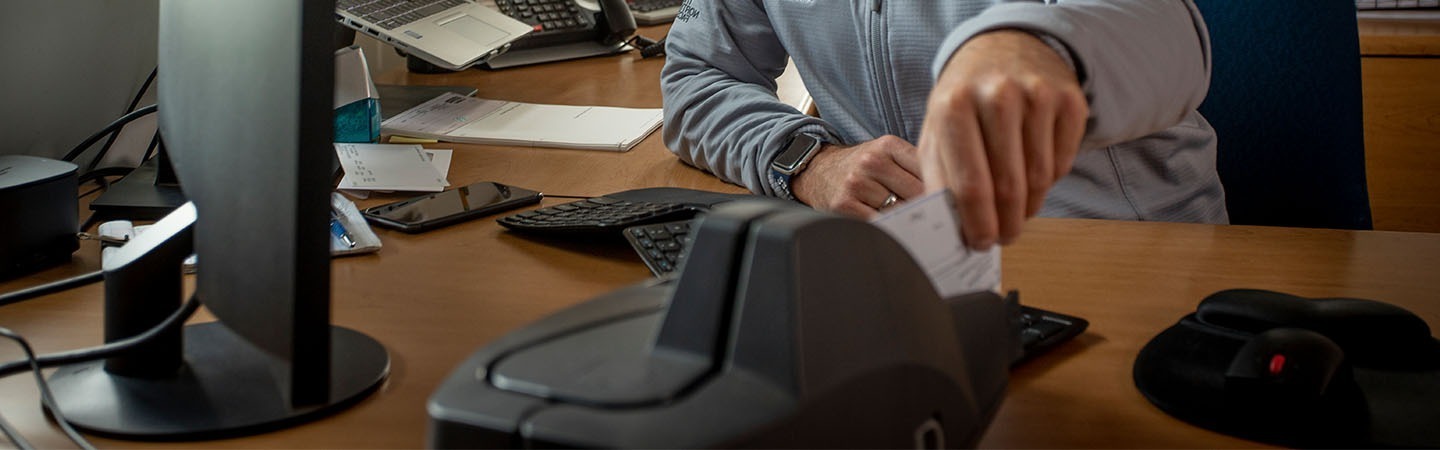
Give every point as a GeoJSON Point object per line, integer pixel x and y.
{"type": "Point", "coordinates": [39, 213]}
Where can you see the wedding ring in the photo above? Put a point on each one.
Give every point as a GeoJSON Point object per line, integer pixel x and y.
{"type": "Point", "coordinates": [889, 201]}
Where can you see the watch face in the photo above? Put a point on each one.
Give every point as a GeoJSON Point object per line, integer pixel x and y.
{"type": "Point", "coordinates": [795, 154]}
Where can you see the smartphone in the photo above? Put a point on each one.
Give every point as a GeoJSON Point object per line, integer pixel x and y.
{"type": "Point", "coordinates": [431, 211]}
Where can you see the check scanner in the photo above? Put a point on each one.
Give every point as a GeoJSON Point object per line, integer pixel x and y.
{"type": "Point", "coordinates": [787, 327]}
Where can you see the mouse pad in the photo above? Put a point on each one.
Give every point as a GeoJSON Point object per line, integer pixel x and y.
{"type": "Point", "coordinates": [1344, 392]}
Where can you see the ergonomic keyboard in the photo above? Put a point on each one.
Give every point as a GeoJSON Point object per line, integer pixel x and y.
{"type": "Point", "coordinates": [612, 213]}
{"type": "Point", "coordinates": [662, 247]}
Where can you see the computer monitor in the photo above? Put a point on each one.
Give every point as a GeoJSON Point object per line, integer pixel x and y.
{"type": "Point", "coordinates": [245, 95]}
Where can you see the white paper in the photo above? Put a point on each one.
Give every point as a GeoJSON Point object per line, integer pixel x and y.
{"type": "Point", "coordinates": [441, 115]}
{"type": "Point", "coordinates": [393, 167]}
{"type": "Point", "coordinates": [456, 118]}
{"type": "Point", "coordinates": [124, 230]}
{"type": "Point", "coordinates": [927, 228]}
{"type": "Point", "coordinates": [365, 239]}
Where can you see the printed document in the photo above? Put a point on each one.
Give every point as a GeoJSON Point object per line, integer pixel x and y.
{"type": "Point", "coordinates": [457, 118]}
{"type": "Point", "coordinates": [382, 167]}
{"type": "Point", "coordinates": [928, 229]}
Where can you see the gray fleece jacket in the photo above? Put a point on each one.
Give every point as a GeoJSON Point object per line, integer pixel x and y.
{"type": "Point", "coordinates": [869, 64]}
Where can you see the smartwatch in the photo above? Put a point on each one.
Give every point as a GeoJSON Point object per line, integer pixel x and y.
{"type": "Point", "coordinates": [791, 161]}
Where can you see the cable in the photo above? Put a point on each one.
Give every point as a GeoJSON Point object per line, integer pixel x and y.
{"type": "Point", "coordinates": [90, 221]}
{"type": "Point", "coordinates": [105, 351]}
{"type": "Point", "coordinates": [50, 288]}
{"type": "Point", "coordinates": [133, 102]}
{"type": "Point", "coordinates": [112, 127]}
{"type": "Point", "coordinates": [649, 48]}
{"type": "Point", "coordinates": [154, 141]}
{"type": "Point", "coordinates": [92, 191]}
{"type": "Point", "coordinates": [45, 397]}
{"type": "Point", "coordinates": [14, 436]}
{"type": "Point", "coordinates": [567, 196]}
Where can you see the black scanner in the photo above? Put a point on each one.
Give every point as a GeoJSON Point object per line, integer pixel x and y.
{"type": "Point", "coordinates": [786, 328]}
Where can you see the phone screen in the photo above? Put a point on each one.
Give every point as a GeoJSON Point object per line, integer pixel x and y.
{"type": "Point", "coordinates": [478, 197]}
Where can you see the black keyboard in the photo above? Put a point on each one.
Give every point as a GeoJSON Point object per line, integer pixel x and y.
{"type": "Point", "coordinates": [662, 247]}
{"type": "Point", "coordinates": [1042, 330]}
{"type": "Point", "coordinates": [599, 214]}
{"type": "Point", "coordinates": [651, 12]}
{"type": "Point", "coordinates": [614, 212]}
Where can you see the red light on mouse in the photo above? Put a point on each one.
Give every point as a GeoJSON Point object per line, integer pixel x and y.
{"type": "Point", "coordinates": [1277, 364]}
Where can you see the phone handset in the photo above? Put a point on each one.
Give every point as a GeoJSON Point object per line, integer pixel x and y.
{"type": "Point", "coordinates": [613, 19]}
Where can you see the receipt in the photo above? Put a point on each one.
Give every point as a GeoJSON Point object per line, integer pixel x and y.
{"type": "Point", "coordinates": [928, 229]}
{"type": "Point", "coordinates": [384, 167]}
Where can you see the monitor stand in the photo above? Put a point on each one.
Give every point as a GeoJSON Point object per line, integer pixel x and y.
{"type": "Point", "coordinates": [225, 388]}
{"type": "Point", "coordinates": [148, 193]}
{"type": "Point", "coordinates": [209, 384]}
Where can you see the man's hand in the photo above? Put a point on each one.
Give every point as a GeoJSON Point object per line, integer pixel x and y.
{"type": "Point", "coordinates": [857, 180]}
{"type": "Point", "coordinates": [1002, 125]}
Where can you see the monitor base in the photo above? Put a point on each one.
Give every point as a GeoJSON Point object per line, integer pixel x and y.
{"type": "Point", "coordinates": [226, 388]}
{"type": "Point", "coordinates": [144, 194]}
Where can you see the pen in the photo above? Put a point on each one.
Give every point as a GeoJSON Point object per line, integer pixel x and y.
{"type": "Point", "coordinates": [338, 229]}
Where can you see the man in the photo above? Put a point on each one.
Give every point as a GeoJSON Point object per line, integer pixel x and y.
{"type": "Point", "coordinates": [1082, 108]}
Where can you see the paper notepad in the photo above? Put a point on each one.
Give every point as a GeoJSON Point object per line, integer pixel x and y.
{"type": "Point", "coordinates": [927, 228]}
{"type": "Point", "coordinates": [456, 118]}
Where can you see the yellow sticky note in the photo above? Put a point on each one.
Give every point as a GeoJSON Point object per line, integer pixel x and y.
{"type": "Point", "coordinates": [398, 139]}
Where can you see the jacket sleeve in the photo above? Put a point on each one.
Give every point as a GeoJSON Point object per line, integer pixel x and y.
{"type": "Point", "coordinates": [722, 114]}
{"type": "Point", "coordinates": [1143, 64]}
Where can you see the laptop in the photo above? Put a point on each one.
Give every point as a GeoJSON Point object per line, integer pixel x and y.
{"type": "Point", "coordinates": [454, 34]}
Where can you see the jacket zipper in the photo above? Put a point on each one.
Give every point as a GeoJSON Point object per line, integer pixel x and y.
{"type": "Point", "coordinates": [880, 66]}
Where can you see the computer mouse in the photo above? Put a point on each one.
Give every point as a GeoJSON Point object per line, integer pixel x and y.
{"type": "Point", "coordinates": [1296, 371]}
{"type": "Point", "coordinates": [1371, 333]}
{"type": "Point", "coordinates": [1285, 366]}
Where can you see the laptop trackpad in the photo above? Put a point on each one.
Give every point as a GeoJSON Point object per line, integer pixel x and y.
{"type": "Point", "coordinates": [475, 30]}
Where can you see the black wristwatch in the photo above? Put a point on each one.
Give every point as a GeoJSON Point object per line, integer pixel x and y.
{"type": "Point", "coordinates": [791, 161]}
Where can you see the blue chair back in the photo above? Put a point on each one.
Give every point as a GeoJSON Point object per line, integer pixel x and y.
{"type": "Point", "coordinates": [1286, 106]}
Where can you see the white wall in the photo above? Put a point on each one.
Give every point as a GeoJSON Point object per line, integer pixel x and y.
{"type": "Point", "coordinates": [71, 67]}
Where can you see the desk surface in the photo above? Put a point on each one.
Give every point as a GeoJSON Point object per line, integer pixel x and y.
{"type": "Point", "coordinates": [434, 298]}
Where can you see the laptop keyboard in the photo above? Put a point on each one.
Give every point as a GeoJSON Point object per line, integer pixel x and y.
{"type": "Point", "coordinates": [391, 14]}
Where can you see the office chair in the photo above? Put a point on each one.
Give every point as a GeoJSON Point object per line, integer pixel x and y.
{"type": "Point", "coordinates": [1285, 103]}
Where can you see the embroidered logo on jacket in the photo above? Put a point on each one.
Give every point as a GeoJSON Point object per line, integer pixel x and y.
{"type": "Point", "coordinates": [687, 11]}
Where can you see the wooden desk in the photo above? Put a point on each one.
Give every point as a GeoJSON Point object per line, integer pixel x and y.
{"type": "Point", "coordinates": [434, 298]}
